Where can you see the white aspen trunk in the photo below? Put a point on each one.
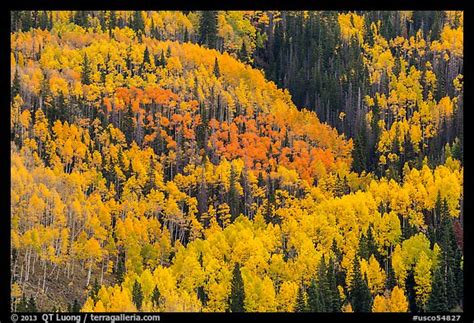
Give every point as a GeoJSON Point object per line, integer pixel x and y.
{"type": "Point", "coordinates": [34, 262]}
{"type": "Point", "coordinates": [44, 274]}
{"type": "Point", "coordinates": [21, 274]}
{"type": "Point", "coordinates": [89, 272]}
{"type": "Point", "coordinates": [72, 272]}
{"type": "Point", "coordinates": [28, 259]}
{"type": "Point", "coordinates": [102, 272]}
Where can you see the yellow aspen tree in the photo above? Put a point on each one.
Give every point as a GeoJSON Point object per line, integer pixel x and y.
{"type": "Point", "coordinates": [423, 279]}
{"type": "Point", "coordinates": [398, 301]}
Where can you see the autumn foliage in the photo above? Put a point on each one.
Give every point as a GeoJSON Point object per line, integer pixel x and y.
{"type": "Point", "coordinates": [145, 166]}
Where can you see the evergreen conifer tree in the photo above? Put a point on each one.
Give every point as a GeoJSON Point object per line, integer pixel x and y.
{"type": "Point", "coordinates": [156, 297]}
{"type": "Point", "coordinates": [438, 300]}
{"type": "Point", "coordinates": [360, 297]}
{"type": "Point", "coordinates": [217, 72]}
{"type": "Point", "coordinates": [16, 85]}
{"type": "Point", "coordinates": [86, 70]}
{"type": "Point", "coordinates": [237, 294]}
{"type": "Point", "coordinates": [208, 29]}
{"type": "Point", "coordinates": [301, 305]}
{"type": "Point", "coordinates": [137, 295]}
{"type": "Point", "coordinates": [32, 308]}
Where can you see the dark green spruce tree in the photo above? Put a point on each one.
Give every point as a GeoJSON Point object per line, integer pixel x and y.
{"type": "Point", "coordinates": [16, 85]}
{"type": "Point", "coordinates": [86, 70]}
{"type": "Point", "coordinates": [208, 29]}
{"type": "Point", "coordinates": [233, 194]}
{"type": "Point", "coordinates": [156, 297]}
{"type": "Point", "coordinates": [237, 294]}
{"type": "Point", "coordinates": [128, 124]}
{"type": "Point", "coordinates": [334, 298]}
{"type": "Point", "coordinates": [22, 304]}
{"type": "Point", "coordinates": [217, 72]}
{"type": "Point", "coordinates": [32, 308]}
{"type": "Point", "coordinates": [94, 292]}
{"type": "Point", "coordinates": [138, 24]}
{"type": "Point", "coordinates": [243, 53]}
{"type": "Point", "coordinates": [202, 295]}
{"type": "Point", "coordinates": [359, 292]}
{"type": "Point", "coordinates": [315, 298]}
{"type": "Point", "coordinates": [359, 153]}
{"type": "Point", "coordinates": [146, 56]}
{"type": "Point", "coordinates": [74, 307]}
{"type": "Point", "coordinates": [438, 300]}
{"type": "Point", "coordinates": [137, 295]}
{"type": "Point", "coordinates": [301, 305]}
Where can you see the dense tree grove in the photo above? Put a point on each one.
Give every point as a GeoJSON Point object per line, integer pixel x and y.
{"type": "Point", "coordinates": [238, 161]}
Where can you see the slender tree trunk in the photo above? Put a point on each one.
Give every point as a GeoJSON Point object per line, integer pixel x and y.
{"type": "Point", "coordinates": [44, 274]}
{"type": "Point", "coordinates": [89, 272]}
{"type": "Point", "coordinates": [102, 271]}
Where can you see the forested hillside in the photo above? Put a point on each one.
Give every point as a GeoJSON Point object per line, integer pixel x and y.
{"type": "Point", "coordinates": [236, 161]}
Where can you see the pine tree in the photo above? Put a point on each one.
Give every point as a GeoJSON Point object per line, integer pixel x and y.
{"type": "Point", "coordinates": [112, 20]}
{"type": "Point", "coordinates": [162, 59]}
{"type": "Point", "coordinates": [359, 153]}
{"type": "Point", "coordinates": [360, 297]}
{"type": "Point", "coordinates": [22, 305]}
{"type": "Point", "coordinates": [81, 18]}
{"type": "Point", "coordinates": [103, 26]}
{"type": "Point", "coordinates": [237, 294]}
{"type": "Point", "coordinates": [367, 246]}
{"type": "Point", "coordinates": [137, 295]}
{"type": "Point", "coordinates": [44, 20]}
{"type": "Point", "coordinates": [345, 186]}
{"type": "Point", "coordinates": [202, 295]}
{"type": "Point", "coordinates": [26, 22]}
{"type": "Point", "coordinates": [334, 298]}
{"type": "Point", "coordinates": [411, 294]}
{"type": "Point", "coordinates": [323, 284]}
{"type": "Point", "coordinates": [456, 150]}
{"type": "Point", "coordinates": [301, 305]}
{"type": "Point", "coordinates": [391, 279]}
{"type": "Point", "coordinates": [363, 247]}
{"type": "Point", "coordinates": [86, 70]}
{"type": "Point", "coordinates": [451, 289]}
{"type": "Point", "coordinates": [449, 253]}
{"type": "Point", "coordinates": [44, 86]}
{"type": "Point", "coordinates": [315, 301]}
{"type": "Point", "coordinates": [217, 72]}
{"type": "Point", "coordinates": [138, 25]}
{"type": "Point", "coordinates": [409, 150]}
{"type": "Point", "coordinates": [208, 29]}
{"type": "Point", "coordinates": [186, 35]}
{"type": "Point", "coordinates": [94, 290]}
{"type": "Point", "coordinates": [61, 109]}
{"type": "Point", "coordinates": [75, 307]}
{"type": "Point", "coordinates": [15, 90]}
{"type": "Point", "coordinates": [438, 300]}
{"type": "Point", "coordinates": [146, 56]}
{"type": "Point", "coordinates": [120, 269]}
{"type": "Point", "coordinates": [156, 297]}
{"type": "Point", "coordinates": [32, 305]}
{"type": "Point", "coordinates": [243, 53]}
{"type": "Point", "coordinates": [459, 275]}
